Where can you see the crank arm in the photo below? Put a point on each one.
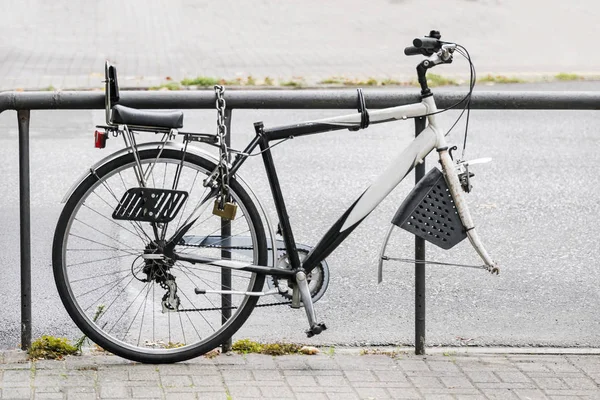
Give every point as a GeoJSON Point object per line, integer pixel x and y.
{"type": "Point", "coordinates": [315, 327]}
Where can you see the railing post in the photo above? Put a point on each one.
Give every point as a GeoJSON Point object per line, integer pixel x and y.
{"type": "Point", "coordinates": [25, 227]}
{"type": "Point", "coordinates": [419, 267]}
{"type": "Point", "coordinates": [226, 253]}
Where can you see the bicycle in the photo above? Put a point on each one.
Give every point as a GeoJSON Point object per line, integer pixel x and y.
{"type": "Point", "coordinates": [152, 236]}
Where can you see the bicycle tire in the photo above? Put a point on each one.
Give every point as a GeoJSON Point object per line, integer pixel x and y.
{"type": "Point", "coordinates": [87, 212]}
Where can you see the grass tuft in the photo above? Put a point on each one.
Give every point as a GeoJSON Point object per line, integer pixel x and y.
{"type": "Point", "coordinates": [563, 76]}
{"type": "Point", "coordinates": [167, 86]}
{"type": "Point", "coordinates": [246, 346]}
{"type": "Point", "coordinates": [334, 80]}
{"type": "Point", "coordinates": [51, 348]}
{"type": "Point", "coordinates": [200, 81]}
{"type": "Point", "coordinates": [295, 82]}
{"type": "Point", "coordinates": [499, 79]}
{"type": "Point", "coordinates": [390, 82]}
{"type": "Point", "coordinates": [358, 82]}
{"type": "Point", "coordinates": [437, 80]}
{"type": "Point", "coordinates": [280, 349]}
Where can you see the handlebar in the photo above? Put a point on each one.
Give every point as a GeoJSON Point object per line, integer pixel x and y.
{"type": "Point", "coordinates": [435, 51]}
{"type": "Point", "coordinates": [428, 43]}
{"type": "Point", "coordinates": [412, 51]}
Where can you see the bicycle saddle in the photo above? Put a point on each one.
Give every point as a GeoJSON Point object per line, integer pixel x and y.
{"type": "Point", "coordinates": [161, 119]}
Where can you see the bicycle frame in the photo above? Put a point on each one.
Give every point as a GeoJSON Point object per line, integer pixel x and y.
{"type": "Point", "coordinates": [429, 139]}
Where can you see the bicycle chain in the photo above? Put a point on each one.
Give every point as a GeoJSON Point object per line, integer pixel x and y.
{"type": "Point", "coordinates": [233, 307]}
{"type": "Point", "coordinates": [223, 149]}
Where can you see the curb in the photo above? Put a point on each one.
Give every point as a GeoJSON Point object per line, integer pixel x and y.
{"type": "Point", "coordinates": [474, 350]}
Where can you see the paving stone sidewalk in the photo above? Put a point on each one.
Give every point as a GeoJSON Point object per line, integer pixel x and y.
{"type": "Point", "coordinates": [344, 375]}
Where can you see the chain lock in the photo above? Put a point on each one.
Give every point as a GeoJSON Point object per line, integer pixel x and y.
{"type": "Point", "coordinates": [223, 207]}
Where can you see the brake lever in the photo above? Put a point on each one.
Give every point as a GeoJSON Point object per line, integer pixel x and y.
{"type": "Point", "coordinates": [446, 53]}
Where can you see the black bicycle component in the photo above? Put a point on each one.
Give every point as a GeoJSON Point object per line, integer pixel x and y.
{"type": "Point", "coordinates": [429, 212]}
{"type": "Point", "coordinates": [318, 278]}
{"type": "Point", "coordinates": [413, 51]}
{"type": "Point", "coordinates": [284, 222]}
{"type": "Point", "coordinates": [422, 78]}
{"type": "Point", "coordinates": [465, 180]}
{"type": "Point", "coordinates": [428, 43]}
{"type": "Point", "coordinates": [162, 119]}
{"type": "Point", "coordinates": [362, 110]}
{"type": "Point", "coordinates": [435, 34]}
{"type": "Point", "coordinates": [450, 150]}
{"type": "Point", "coordinates": [112, 83]}
{"type": "Point", "coordinates": [316, 329]}
{"type": "Point", "coordinates": [150, 205]}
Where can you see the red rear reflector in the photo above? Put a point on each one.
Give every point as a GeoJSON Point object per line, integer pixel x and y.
{"type": "Point", "coordinates": [100, 139]}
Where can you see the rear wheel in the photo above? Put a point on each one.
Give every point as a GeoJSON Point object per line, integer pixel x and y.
{"type": "Point", "coordinates": [146, 309]}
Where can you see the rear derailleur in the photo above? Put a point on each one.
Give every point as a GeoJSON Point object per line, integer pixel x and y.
{"type": "Point", "coordinates": [156, 268]}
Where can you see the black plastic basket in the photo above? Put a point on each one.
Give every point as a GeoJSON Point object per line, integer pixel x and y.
{"type": "Point", "coordinates": [429, 212]}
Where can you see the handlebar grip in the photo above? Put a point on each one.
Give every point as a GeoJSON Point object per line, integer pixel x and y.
{"type": "Point", "coordinates": [426, 43]}
{"type": "Point", "coordinates": [412, 51]}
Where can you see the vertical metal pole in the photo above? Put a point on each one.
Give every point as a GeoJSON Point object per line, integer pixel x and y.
{"type": "Point", "coordinates": [25, 226]}
{"type": "Point", "coordinates": [225, 252]}
{"type": "Point", "coordinates": [419, 267]}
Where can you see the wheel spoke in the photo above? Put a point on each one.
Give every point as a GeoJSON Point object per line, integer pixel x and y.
{"type": "Point", "coordinates": [104, 234]}
{"type": "Point", "coordinates": [135, 251]}
{"type": "Point", "coordinates": [112, 286]}
{"type": "Point", "coordinates": [99, 260]}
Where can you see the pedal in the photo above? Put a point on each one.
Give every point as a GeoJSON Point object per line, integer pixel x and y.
{"type": "Point", "coordinates": [316, 329]}
{"type": "Point", "coordinates": [227, 212]}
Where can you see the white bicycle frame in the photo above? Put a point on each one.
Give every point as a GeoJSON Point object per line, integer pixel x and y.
{"type": "Point", "coordinates": [430, 138]}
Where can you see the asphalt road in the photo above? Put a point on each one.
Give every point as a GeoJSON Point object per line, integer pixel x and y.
{"type": "Point", "coordinates": [64, 44]}
{"type": "Point", "coordinates": [535, 206]}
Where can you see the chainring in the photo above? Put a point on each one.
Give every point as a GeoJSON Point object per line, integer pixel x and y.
{"type": "Point", "coordinates": [318, 279]}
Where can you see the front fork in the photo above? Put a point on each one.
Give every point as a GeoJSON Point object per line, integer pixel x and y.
{"type": "Point", "coordinates": [449, 170]}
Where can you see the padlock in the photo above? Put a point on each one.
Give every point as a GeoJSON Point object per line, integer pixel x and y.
{"type": "Point", "coordinates": [227, 212]}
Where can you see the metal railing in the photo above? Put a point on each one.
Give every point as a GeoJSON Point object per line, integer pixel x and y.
{"type": "Point", "coordinates": [23, 102]}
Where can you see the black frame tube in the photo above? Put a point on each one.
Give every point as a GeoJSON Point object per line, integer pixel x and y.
{"type": "Point", "coordinates": [284, 221]}
{"type": "Point", "coordinates": [23, 117]}
{"type": "Point", "coordinates": [419, 267]}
